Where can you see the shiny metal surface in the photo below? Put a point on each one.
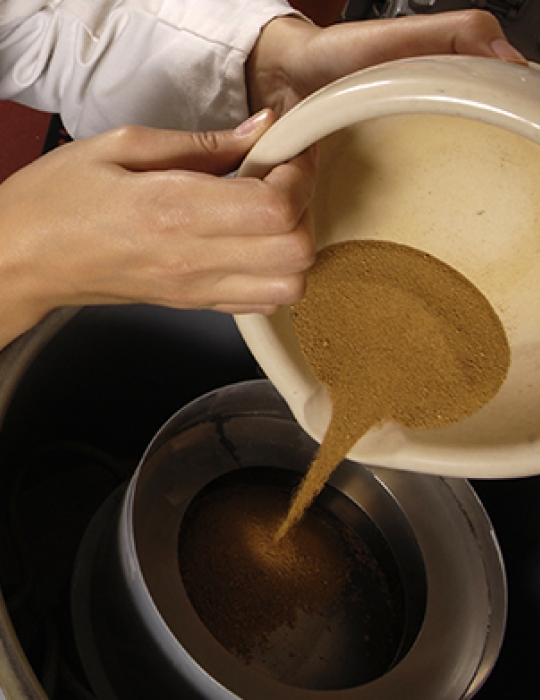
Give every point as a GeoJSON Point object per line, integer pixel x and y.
{"type": "Point", "coordinates": [83, 385]}
{"type": "Point", "coordinates": [249, 425]}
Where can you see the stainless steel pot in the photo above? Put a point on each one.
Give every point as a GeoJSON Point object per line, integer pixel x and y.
{"type": "Point", "coordinates": [139, 635]}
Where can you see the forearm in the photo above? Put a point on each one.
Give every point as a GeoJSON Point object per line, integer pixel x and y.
{"type": "Point", "coordinates": [292, 59]}
{"type": "Point", "coordinates": [113, 62]}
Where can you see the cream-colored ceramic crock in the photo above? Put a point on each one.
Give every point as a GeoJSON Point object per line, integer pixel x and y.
{"type": "Point", "coordinates": [442, 154]}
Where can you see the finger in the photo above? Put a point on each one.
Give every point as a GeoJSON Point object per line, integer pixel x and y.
{"type": "Point", "coordinates": [231, 294]}
{"type": "Point", "coordinates": [290, 188]}
{"type": "Point", "coordinates": [249, 294]}
{"type": "Point", "coordinates": [139, 148]}
{"type": "Point", "coordinates": [272, 255]}
{"type": "Point", "coordinates": [242, 309]}
{"type": "Point", "coordinates": [287, 254]}
{"type": "Point", "coordinates": [261, 270]}
{"type": "Point", "coordinates": [475, 32]}
{"type": "Point", "coordinates": [209, 207]}
{"type": "Point", "coordinates": [266, 255]}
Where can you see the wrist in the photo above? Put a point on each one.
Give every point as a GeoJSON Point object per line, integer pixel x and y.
{"type": "Point", "coordinates": [16, 317]}
{"type": "Point", "coordinates": [267, 76]}
{"type": "Point", "coordinates": [23, 293]}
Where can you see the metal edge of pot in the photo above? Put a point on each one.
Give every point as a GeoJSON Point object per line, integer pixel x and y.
{"type": "Point", "coordinates": [461, 500]}
{"type": "Point", "coordinates": [17, 680]}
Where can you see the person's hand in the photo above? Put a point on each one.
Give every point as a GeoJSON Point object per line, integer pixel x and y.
{"type": "Point", "coordinates": [293, 58]}
{"type": "Point", "coordinates": [143, 215]}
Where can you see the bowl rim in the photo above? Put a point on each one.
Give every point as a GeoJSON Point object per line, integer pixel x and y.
{"type": "Point", "coordinates": [480, 89]}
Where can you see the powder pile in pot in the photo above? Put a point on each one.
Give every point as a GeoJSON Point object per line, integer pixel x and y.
{"type": "Point", "coordinates": [395, 334]}
{"type": "Point", "coordinates": [322, 595]}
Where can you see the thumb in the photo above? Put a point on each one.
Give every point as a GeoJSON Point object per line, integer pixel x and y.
{"type": "Point", "coordinates": [214, 152]}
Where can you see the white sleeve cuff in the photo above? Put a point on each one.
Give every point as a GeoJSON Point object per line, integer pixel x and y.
{"type": "Point", "coordinates": [165, 63]}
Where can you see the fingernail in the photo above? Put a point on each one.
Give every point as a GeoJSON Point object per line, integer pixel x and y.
{"type": "Point", "coordinates": [254, 123]}
{"type": "Point", "coordinates": [507, 52]}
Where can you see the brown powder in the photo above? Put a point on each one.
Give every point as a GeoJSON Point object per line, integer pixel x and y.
{"type": "Point", "coordinates": [394, 334]}
{"type": "Point", "coordinates": [267, 602]}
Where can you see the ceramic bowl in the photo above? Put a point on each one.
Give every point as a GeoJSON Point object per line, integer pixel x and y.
{"type": "Point", "coordinates": [442, 154]}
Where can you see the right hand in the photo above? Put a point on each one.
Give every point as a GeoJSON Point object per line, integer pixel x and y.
{"type": "Point", "coordinates": [144, 215]}
{"type": "Point", "coordinates": [292, 58]}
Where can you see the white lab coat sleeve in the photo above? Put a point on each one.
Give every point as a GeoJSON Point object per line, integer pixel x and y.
{"type": "Point", "coordinates": [107, 63]}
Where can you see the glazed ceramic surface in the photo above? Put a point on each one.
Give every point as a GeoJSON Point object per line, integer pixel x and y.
{"type": "Point", "coordinates": [442, 154]}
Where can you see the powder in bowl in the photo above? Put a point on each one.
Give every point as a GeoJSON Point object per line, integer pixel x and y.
{"type": "Point", "coordinates": [394, 334]}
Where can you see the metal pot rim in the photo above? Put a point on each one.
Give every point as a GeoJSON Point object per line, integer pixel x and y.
{"type": "Point", "coordinates": [466, 605]}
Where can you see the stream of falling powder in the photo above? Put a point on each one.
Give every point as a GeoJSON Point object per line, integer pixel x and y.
{"type": "Point", "coordinates": [394, 334]}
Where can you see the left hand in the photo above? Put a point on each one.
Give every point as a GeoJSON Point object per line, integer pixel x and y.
{"type": "Point", "coordinates": [293, 58]}
{"type": "Point", "coordinates": [139, 215]}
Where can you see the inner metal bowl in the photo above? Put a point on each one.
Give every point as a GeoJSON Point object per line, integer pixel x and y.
{"type": "Point", "coordinates": [140, 637]}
